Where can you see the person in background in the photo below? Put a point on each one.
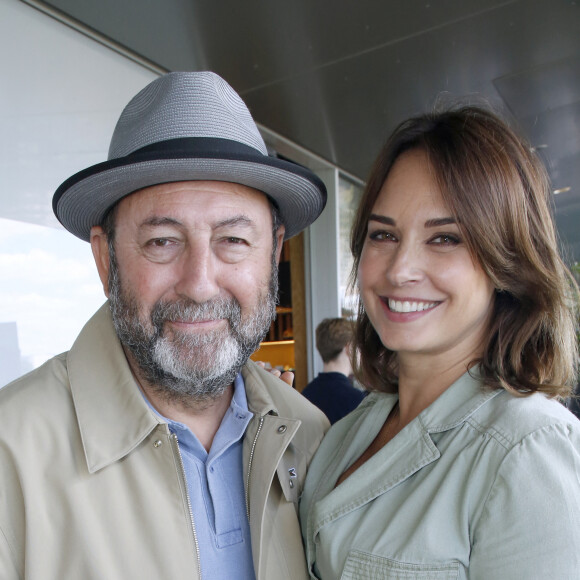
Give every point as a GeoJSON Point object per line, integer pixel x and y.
{"type": "Point", "coordinates": [332, 391]}
{"type": "Point", "coordinates": [154, 448]}
{"type": "Point", "coordinates": [573, 402]}
{"type": "Point", "coordinates": [462, 462]}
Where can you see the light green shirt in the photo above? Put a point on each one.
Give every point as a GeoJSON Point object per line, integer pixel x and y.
{"type": "Point", "coordinates": [481, 485]}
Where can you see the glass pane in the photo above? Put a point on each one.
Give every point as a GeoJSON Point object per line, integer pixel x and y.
{"type": "Point", "coordinates": [49, 288]}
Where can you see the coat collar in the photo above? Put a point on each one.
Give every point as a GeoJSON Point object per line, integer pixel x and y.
{"type": "Point", "coordinates": [112, 414]}
{"type": "Point", "coordinates": [256, 380]}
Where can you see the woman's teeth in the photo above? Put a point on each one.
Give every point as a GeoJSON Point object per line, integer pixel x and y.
{"type": "Point", "coordinates": [406, 306]}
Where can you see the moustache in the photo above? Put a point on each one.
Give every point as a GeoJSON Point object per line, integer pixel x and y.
{"type": "Point", "coordinates": [189, 311]}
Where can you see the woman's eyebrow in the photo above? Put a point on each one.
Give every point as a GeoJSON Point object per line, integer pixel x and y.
{"type": "Point", "coordinates": [432, 223]}
{"type": "Point", "coordinates": [382, 219]}
{"type": "Point", "coordinates": [437, 222]}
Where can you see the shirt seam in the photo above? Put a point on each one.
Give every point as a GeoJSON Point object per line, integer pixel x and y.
{"type": "Point", "coordinates": [510, 452]}
{"type": "Point", "coordinates": [492, 433]}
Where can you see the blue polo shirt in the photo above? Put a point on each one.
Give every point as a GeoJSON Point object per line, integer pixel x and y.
{"type": "Point", "coordinates": [215, 483]}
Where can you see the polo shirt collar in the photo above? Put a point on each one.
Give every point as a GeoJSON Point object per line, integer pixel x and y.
{"type": "Point", "coordinates": [231, 429]}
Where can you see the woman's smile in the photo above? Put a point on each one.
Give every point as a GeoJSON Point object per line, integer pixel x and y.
{"type": "Point", "coordinates": [408, 305]}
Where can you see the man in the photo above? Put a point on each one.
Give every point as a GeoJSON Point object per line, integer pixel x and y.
{"type": "Point", "coordinates": [154, 448]}
{"type": "Point", "coordinates": [331, 391]}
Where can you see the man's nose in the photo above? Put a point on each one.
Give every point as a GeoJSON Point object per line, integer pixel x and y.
{"type": "Point", "coordinates": [198, 274]}
{"type": "Point", "coordinates": [406, 265]}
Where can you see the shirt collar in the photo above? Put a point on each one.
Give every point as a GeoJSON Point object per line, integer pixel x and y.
{"type": "Point", "coordinates": [238, 404]}
{"type": "Point", "coordinates": [457, 403]}
{"type": "Point", "coordinates": [231, 429]}
{"type": "Point", "coordinates": [452, 408]}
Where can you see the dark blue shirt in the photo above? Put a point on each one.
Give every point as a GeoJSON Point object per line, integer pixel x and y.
{"type": "Point", "coordinates": [333, 394]}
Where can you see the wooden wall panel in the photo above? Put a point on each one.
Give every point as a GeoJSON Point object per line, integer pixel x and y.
{"type": "Point", "coordinates": [299, 310]}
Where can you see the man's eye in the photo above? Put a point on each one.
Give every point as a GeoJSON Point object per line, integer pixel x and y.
{"type": "Point", "coordinates": [158, 242]}
{"type": "Point", "coordinates": [160, 246]}
{"type": "Point", "coordinates": [161, 250]}
{"type": "Point", "coordinates": [235, 241]}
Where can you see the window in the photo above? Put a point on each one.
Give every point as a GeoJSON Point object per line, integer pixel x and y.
{"type": "Point", "coordinates": [62, 93]}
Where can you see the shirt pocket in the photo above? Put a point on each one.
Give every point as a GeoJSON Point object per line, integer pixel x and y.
{"type": "Point", "coordinates": [363, 566]}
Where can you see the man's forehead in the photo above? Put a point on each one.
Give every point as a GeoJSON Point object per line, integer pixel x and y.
{"type": "Point", "coordinates": [200, 186]}
{"type": "Point", "coordinates": [200, 194]}
{"type": "Point", "coordinates": [214, 202]}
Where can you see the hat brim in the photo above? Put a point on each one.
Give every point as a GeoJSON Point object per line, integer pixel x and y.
{"type": "Point", "coordinates": [83, 200]}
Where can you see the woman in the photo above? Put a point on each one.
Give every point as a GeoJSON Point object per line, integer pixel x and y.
{"type": "Point", "coordinates": [461, 463]}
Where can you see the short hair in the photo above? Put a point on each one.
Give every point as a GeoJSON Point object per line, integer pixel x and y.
{"type": "Point", "coordinates": [499, 193]}
{"type": "Point", "coordinates": [332, 335]}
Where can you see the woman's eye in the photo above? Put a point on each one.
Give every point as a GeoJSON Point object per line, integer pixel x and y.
{"type": "Point", "coordinates": [382, 236]}
{"type": "Point", "coordinates": [446, 240]}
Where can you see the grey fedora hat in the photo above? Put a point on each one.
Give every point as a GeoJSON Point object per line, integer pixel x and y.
{"type": "Point", "coordinates": [187, 126]}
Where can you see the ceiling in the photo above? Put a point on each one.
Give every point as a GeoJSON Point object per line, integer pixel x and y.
{"type": "Point", "coordinates": [336, 76]}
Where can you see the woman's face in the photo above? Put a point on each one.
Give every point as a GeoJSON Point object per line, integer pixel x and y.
{"type": "Point", "coordinates": [421, 289]}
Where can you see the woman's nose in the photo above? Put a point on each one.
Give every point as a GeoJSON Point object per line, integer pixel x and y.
{"type": "Point", "coordinates": [406, 265]}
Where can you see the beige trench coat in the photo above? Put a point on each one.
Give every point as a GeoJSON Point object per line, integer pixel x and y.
{"type": "Point", "coordinates": [91, 481]}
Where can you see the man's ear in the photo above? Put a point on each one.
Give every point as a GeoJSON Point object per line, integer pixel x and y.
{"type": "Point", "coordinates": [100, 247]}
{"type": "Point", "coordinates": [279, 241]}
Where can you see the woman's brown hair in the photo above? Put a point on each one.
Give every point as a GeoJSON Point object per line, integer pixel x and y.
{"type": "Point", "coordinates": [499, 193]}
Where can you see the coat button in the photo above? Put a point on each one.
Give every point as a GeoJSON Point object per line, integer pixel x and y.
{"type": "Point", "coordinates": [282, 429]}
{"type": "Point", "coordinates": [158, 443]}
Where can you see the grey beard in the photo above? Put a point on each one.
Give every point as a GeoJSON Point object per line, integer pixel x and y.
{"type": "Point", "coordinates": [190, 368]}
